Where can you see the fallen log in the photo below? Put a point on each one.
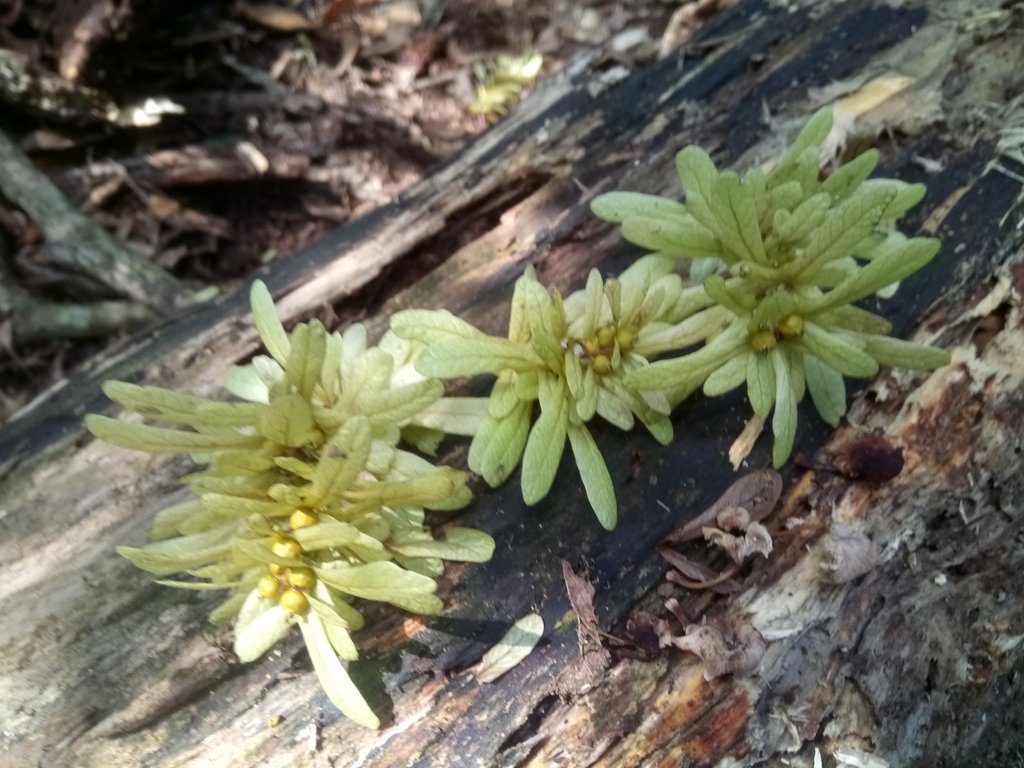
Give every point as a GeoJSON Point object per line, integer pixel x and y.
{"type": "Point", "coordinates": [912, 662]}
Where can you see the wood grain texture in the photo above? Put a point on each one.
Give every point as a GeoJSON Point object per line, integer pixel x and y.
{"type": "Point", "coordinates": [99, 667]}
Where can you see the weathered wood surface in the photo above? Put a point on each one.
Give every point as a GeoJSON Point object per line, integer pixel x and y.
{"type": "Point", "coordinates": [913, 662]}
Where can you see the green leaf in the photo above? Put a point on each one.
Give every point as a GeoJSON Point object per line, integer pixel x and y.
{"type": "Point", "coordinates": [198, 586]}
{"type": "Point", "coordinates": [158, 440]}
{"type": "Point", "coordinates": [335, 627]}
{"type": "Point", "coordinates": [761, 382]}
{"type": "Point", "coordinates": [698, 174]}
{"type": "Point", "coordinates": [732, 203]}
{"type": "Point", "coordinates": [811, 136]}
{"type": "Point", "coordinates": [386, 582]}
{"type": "Point", "coordinates": [614, 409]}
{"type": "Point", "coordinates": [828, 392]}
{"type": "Point", "coordinates": [683, 236]}
{"type": "Point", "coordinates": [896, 259]}
{"type": "Point", "coordinates": [241, 506]}
{"type": "Point", "coordinates": [429, 326]}
{"type": "Point", "coordinates": [182, 552]}
{"type": "Point", "coordinates": [244, 381]}
{"type": "Point", "coordinates": [730, 295]}
{"type": "Point", "coordinates": [514, 646]}
{"type": "Point", "coordinates": [597, 481]}
{"type": "Point", "coordinates": [399, 404]}
{"type": "Point", "coordinates": [268, 324]}
{"type": "Point", "coordinates": [154, 402]}
{"type": "Point", "coordinates": [594, 302]}
{"type": "Point", "coordinates": [846, 228]}
{"type": "Point", "coordinates": [425, 491]}
{"type": "Point", "coordinates": [332, 675]}
{"type": "Point", "coordinates": [692, 369]}
{"type": "Point", "coordinates": [784, 418]}
{"type": "Point", "coordinates": [655, 338]}
{"type": "Point", "coordinates": [287, 420]}
{"type": "Point", "coordinates": [845, 180]}
{"type": "Point", "coordinates": [904, 354]}
{"type": "Point", "coordinates": [772, 309]}
{"type": "Point", "coordinates": [262, 633]}
{"type": "Point", "coordinates": [332, 533]}
{"type": "Point", "coordinates": [454, 415]}
{"type": "Point", "coordinates": [306, 361]}
{"type": "Point", "coordinates": [586, 403]}
{"type": "Point", "coordinates": [803, 220]}
{"type": "Point", "coordinates": [905, 196]}
{"type": "Point", "coordinates": [731, 374]}
{"type": "Point", "coordinates": [546, 441]}
{"type": "Point", "coordinates": [467, 357]}
{"type": "Point", "coordinates": [853, 318]}
{"type": "Point", "coordinates": [169, 519]}
{"type": "Point", "coordinates": [837, 351]}
{"type": "Point", "coordinates": [463, 544]}
{"type": "Point", "coordinates": [498, 446]}
{"type": "Point", "coordinates": [349, 617]}
{"type": "Point", "coordinates": [617, 207]}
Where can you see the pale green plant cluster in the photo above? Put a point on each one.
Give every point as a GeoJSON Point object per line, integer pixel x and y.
{"type": "Point", "coordinates": [308, 501]}
{"type": "Point", "coordinates": [574, 358]}
{"type": "Point", "coordinates": [796, 252]}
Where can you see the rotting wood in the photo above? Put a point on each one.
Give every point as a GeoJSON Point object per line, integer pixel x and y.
{"type": "Point", "coordinates": [241, 161]}
{"type": "Point", "coordinates": [904, 662]}
{"type": "Point", "coordinates": [80, 245]}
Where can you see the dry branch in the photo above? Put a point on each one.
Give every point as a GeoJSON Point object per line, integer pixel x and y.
{"type": "Point", "coordinates": [78, 244]}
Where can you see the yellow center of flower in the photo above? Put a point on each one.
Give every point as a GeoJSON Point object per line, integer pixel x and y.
{"type": "Point", "coordinates": [602, 364]}
{"type": "Point", "coordinates": [269, 587]}
{"type": "Point", "coordinates": [762, 341]}
{"type": "Point", "coordinates": [301, 578]}
{"type": "Point", "coordinates": [302, 518]}
{"type": "Point", "coordinates": [294, 601]}
{"type": "Point", "coordinates": [287, 548]}
{"type": "Point", "coordinates": [791, 326]}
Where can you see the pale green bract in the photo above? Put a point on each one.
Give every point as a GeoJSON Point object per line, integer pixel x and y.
{"type": "Point", "coordinates": [308, 502]}
{"type": "Point", "coordinates": [573, 357]}
{"type": "Point", "coordinates": [794, 252]}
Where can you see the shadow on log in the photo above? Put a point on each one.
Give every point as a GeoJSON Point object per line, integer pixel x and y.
{"type": "Point", "coordinates": [909, 663]}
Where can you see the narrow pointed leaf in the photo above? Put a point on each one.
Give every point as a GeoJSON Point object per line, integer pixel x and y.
{"type": "Point", "coordinates": [332, 675]}
{"type": "Point", "coordinates": [828, 392]}
{"type": "Point", "coordinates": [514, 646]}
{"type": "Point", "coordinates": [546, 442]}
{"type": "Point", "coordinates": [597, 481]}
{"type": "Point", "coordinates": [268, 324]}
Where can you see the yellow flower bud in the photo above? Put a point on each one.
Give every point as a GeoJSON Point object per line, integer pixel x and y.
{"type": "Point", "coordinates": [268, 587]}
{"type": "Point", "coordinates": [591, 345]}
{"type": "Point", "coordinates": [275, 569]}
{"type": "Point", "coordinates": [286, 548]}
{"type": "Point", "coordinates": [602, 364]}
{"type": "Point", "coordinates": [302, 578]}
{"type": "Point", "coordinates": [606, 336]}
{"type": "Point", "coordinates": [762, 341]}
{"type": "Point", "coordinates": [791, 326]}
{"type": "Point", "coordinates": [302, 518]}
{"type": "Point", "coordinates": [625, 339]}
{"type": "Point", "coordinates": [294, 601]}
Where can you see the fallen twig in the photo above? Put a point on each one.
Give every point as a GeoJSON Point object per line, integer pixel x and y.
{"type": "Point", "coordinates": [77, 243]}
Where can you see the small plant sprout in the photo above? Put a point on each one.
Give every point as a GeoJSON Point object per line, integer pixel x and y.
{"type": "Point", "coordinates": [572, 357]}
{"type": "Point", "coordinates": [308, 501]}
{"type": "Point", "coordinates": [795, 252]}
